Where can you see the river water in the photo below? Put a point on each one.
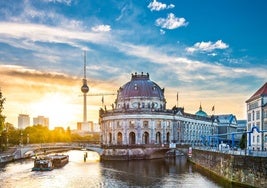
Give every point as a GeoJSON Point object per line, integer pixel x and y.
{"type": "Point", "coordinates": [93, 173]}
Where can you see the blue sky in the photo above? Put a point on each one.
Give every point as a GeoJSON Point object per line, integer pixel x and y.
{"type": "Point", "coordinates": [211, 52]}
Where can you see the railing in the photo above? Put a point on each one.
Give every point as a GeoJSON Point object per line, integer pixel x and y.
{"type": "Point", "coordinates": [234, 152]}
{"type": "Point", "coordinates": [135, 146]}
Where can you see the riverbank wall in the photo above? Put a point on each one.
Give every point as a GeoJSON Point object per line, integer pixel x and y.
{"type": "Point", "coordinates": [239, 170]}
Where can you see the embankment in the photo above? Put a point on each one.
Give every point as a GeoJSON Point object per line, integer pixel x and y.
{"type": "Point", "coordinates": [243, 171]}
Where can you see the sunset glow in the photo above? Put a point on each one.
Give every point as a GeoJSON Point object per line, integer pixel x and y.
{"type": "Point", "coordinates": [215, 59]}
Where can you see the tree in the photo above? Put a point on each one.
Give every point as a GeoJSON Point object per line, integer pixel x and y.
{"type": "Point", "coordinates": [2, 117]}
{"type": "Point", "coordinates": [243, 141]}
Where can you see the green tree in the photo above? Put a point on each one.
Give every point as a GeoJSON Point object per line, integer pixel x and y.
{"type": "Point", "coordinates": [243, 141]}
{"type": "Point", "coordinates": [2, 117]}
{"type": "Point", "coordinates": [2, 122]}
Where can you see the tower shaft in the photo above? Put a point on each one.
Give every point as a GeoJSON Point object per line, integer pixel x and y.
{"type": "Point", "coordinates": [84, 90]}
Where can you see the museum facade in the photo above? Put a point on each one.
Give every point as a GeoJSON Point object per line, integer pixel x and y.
{"type": "Point", "coordinates": [139, 117]}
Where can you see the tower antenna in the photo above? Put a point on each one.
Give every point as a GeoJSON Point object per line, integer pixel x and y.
{"type": "Point", "coordinates": [84, 90]}
{"type": "Point", "coordinates": [84, 66]}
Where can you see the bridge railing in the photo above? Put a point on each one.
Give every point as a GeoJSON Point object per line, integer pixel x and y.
{"type": "Point", "coordinates": [130, 146]}
{"type": "Point", "coordinates": [234, 152]}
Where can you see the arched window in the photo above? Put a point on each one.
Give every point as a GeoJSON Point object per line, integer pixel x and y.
{"type": "Point", "coordinates": [158, 138]}
{"type": "Point", "coordinates": [145, 138]}
{"type": "Point", "coordinates": [132, 138]}
{"type": "Point", "coordinates": [119, 138]}
{"type": "Point", "coordinates": [168, 137]}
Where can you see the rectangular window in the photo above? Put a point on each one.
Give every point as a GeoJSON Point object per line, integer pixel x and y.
{"type": "Point", "coordinates": [258, 115]}
{"type": "Point", "coordinates": [145, 124]}
{"type": "Point", "coordinates": [253, 105]}
{"type": "Point", "coordinates": [249, 116]}
{"type": "Point", "coordinates": [131, 124]}
{"type": "Point", "coordinates": [264, 125]}
{"type": "Point", "coordinates": [118, 125]}
{"type": "Point", "coordinates": [249, 126]}
{"type": "Point", "coordinates": [258, 125]}
{"type": "Point", "coordinates": [158, 124]}
{"type": "Point", "coordinates": [265, 114]}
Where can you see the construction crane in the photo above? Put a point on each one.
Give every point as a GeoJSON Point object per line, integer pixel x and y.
{"type": "Point", "coordinates": [101, 94]}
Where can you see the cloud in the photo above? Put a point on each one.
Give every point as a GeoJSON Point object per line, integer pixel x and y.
{"type": "Point", "coordinates": [12, 32]}
{"type": "Point", "coordinates": [185, 67]}
{"type": "Point", "coordinates": [171, 22]}
{"type": "Point", "coordinates": [207, 46]}
{"type": "Point", "coordinates": [67, 2]}
{"type": "Point", "coordinates": [101, 28]}
{"type": "Point", "coordinates": [157, 6]}
{"type": "Point", "coordinates": [162, 32]}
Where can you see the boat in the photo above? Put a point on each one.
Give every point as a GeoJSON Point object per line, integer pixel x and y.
{"type": "Point", "coordinates": [42, 164]}
{"type": "Point", "coordinates": [59, 160]}
{"type": "Point", "coordinates": [50, 162]}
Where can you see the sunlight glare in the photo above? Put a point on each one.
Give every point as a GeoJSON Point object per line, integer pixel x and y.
{"type": "Point", "coordinates": [57, 107]}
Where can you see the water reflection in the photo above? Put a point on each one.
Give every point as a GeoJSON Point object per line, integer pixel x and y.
{"type": "Point", "coordinates": [155, 173]}
{"type": "Point", "coordinates": [92, 173]}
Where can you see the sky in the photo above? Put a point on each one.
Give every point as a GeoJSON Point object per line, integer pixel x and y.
{"type": "Point", "coordinates": [212, 53]}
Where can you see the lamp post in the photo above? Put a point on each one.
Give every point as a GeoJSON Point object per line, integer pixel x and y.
{"type": "Point", "coordinates": [28, 138]}
{"type": "Point", "coordinates": [0, 141]}
{"type": "Point", "coordinates": [6, 135]}
{"type": "Point", "coordinates": [21, 138]}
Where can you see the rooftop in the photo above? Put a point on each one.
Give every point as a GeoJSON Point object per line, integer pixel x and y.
{"type": "Point", "coordinates": [260, 93]}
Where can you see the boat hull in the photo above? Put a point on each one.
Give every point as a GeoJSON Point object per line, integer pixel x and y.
{"type": "Point", "coordinates": [50, 162]}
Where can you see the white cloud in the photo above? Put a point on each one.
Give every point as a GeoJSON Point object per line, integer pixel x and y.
{"type": "Point", "coordinates": [162, 32]}
{"type": "Point", "coordinates": [171, 22]}
{"type": "Point", "coordinates": [101, 28]}
{"type": "Point", "coordinates": [26, 35]}
{"type": "Point", "coordinates": [67, 2]}
{"type": "Point", "coordinates": [157, 6]}
{"type": "Point", "coordinates": [207, 46]}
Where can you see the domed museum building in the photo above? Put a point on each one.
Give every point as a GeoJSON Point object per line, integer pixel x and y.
{"type": "Point", "coordinates": [139, 117]}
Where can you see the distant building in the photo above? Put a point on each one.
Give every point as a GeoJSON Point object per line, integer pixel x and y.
{"type": "Point", "coordinates": [241, 126]}
{"type": "Point", "coordinates": [96, 127]}
{"type": "Point", "coordinates": [257, 119]}
{"type": "Point", "coordinates": [23, 121]}
{"type": "Point", "coordinates": [227, 124]}
{"type": "Point", "coordinates": [41, 120]}
{"type": "Point", "coordinates": [85, 126]}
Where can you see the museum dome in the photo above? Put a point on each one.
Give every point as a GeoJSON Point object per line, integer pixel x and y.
{"type": "Point", "coordinates": [200, 112]}
{"type": "Point", "coordinates": [141, 88]}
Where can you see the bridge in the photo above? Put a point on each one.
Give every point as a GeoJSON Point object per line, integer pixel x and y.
{"type": "Point", "coordinates": [111, 152]}
{"type": "Point", "coordinates": [25, 151]}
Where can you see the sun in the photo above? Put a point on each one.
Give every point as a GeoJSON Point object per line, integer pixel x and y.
{"type": "Point", "coordinates": [59, 108]}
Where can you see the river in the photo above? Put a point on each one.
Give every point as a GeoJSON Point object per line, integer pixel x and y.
{"type": "Point", "coordinates": [93, 173]}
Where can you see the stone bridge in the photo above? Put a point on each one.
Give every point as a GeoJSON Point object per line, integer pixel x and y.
{"type": "Point", "coordinates": [111, 152]}
{"type": "Point", "coordinates": [134, 152]}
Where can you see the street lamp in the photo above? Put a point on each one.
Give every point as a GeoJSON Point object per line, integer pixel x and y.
{"type": "Point", "coordinates": [21, 138]}
{"type": "Point", "coordinates": [28, 139]}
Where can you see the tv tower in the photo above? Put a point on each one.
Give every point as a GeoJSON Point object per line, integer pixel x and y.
{"type": "Point", "coordinates": [85, 90]}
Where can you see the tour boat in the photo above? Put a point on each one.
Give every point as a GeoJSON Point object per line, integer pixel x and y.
{"type": "Point", "coordinates": [50, 162]}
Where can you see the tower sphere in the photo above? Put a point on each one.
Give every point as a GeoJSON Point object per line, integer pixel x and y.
{"type": "Point", "coordinates": [84, 87]}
